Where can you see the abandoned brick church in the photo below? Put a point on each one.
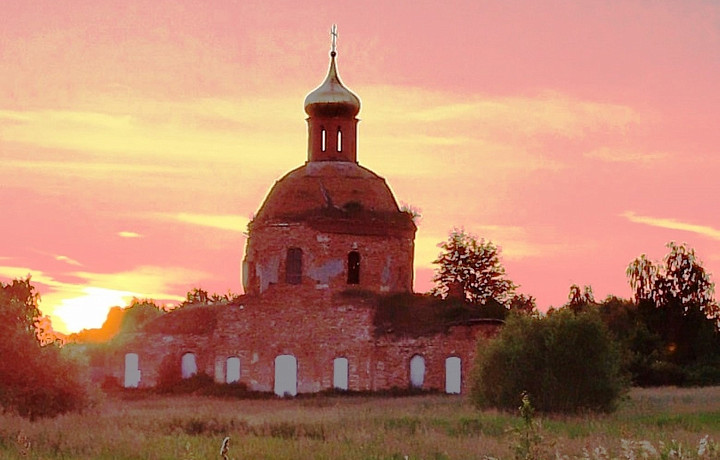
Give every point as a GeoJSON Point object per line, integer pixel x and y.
{"type": "Point", "coordinates": [328, 241]}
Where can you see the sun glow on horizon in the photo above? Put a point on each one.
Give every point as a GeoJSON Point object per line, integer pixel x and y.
{"type": "Point", "coordinates": [88, 311]}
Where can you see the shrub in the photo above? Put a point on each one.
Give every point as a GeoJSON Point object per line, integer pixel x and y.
{"type": "Point", "coordinates": [36, 380]}
{"type": "Point", "coordinates": [565, 362]}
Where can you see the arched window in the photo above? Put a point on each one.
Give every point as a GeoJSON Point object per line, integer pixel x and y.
{"type": "Point", "coordinates": [353, 268]}
{"type": "Point", "coordinates": [293, 266]}
{"type": "Point", "coordinates": [285, 375]}
{"type": "Point", "coordinates": [340, 373]}
{"type": "Point", "coordinates": [417, 371]}
{"type": "Point", "coordinates": [453, 375]}
{"type": "Point", "coordinates": [339, 140]}
{"type": "Point", "coordinates": [323, 139]}
{"type": "Point", "coordinates": [132, 370]}
{"type": "Point", "coordinates": [188, 366]}
{"type": "Point", "coordinates": [232, 373]}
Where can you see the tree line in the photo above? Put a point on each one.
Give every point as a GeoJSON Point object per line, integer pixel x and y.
{"type": "Point", "coordinates": [583, 354]}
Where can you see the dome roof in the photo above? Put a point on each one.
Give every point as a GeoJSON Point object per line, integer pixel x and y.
{"type": "Point", "coordinates": [331, 98]}
{"type": "Point", "coordinates": [332, 194]}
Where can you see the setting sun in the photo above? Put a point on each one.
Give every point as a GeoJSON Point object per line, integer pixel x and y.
{"type": "Point", "coordinates": [88, 311]}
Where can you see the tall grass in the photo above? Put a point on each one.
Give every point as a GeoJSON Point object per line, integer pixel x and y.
{"type": "Point", "coordinates": [332, 427]}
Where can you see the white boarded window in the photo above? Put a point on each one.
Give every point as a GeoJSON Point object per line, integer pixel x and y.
{"type": "Point", "coordinates": [132, 370]}
{"type": "Point", "coordinates": [233, 370]}
{"type": "Point", "coordinates": [340, 373]}
{"type": "Point", "coordinates": [417, 371]}
{"type": "Point", "coordinates": [453, 375]}
{"type": "Point", "coordinates": [188, 366]}
{"type": "Point", "coordinates": [285, 375]}
{"type": "Point", "coordinates": [323, 140]}
{"type": "Point", "coordinates": [339, 140]}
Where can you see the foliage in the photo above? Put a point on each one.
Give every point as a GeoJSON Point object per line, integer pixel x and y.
{"type": "Point", "coordinates": [566, 362]}
{"type": "Point", "coordinates": [35, 380]}
{"type": "Point", "coordinates": [579, 298]}
{"type": "Point", "coordinates": [139, 313]}
{"type": "Point", "coordinates": [523, 304]}
{"type": "Point", "coordinates": [417, 315]}
{"type": "Point", "coordinates": [682, 281]}
{"type": "Point", "coordinates": [529, 444]}
{"type": "Point", "coordinates": [472, 270]}
{"type": "Point", "coordinates": [676, 302]}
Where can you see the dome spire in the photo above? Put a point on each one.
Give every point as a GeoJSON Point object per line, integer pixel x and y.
{"type": "Point", "coordinates": [333, 33]}
{"type": "Point", "coordinates": [332, 110]}
{"type": "Point", "coordinates": [332, 98]}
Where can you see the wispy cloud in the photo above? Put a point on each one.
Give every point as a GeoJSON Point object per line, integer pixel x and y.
{"type": "Point", "coordinates": [223, 222]}
{"type": "Point", "coordinates": [126, 234]}
{"type": "Point", "coordinates": [68, 260]}
{"type": "Point", "coordinates": [611, 155]}
{"type": "Point", "coordinates": [550, 112]}
{"type": "Point", "coordinates": [673, 224]}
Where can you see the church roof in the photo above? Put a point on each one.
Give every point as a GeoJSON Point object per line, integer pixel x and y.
{"type": "Point", "coordinates": [332, 98]}
{"type": "Point", "coordinates": [340, 197]}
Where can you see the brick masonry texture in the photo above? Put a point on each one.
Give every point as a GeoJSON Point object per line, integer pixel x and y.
{"type": "Point", "coordinates": [332, 212]}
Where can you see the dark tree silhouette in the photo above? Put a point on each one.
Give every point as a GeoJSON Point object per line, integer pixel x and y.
{"type": "Point", "coordinates": [472, 270]}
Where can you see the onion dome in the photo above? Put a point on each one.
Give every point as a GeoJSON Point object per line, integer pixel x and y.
{"type": "Point", "coordinates": [331, 98]}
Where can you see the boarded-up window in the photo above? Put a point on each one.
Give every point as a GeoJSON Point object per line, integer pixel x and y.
{"type": "Point", "coordinates": [339, 140]}
{"type": "Point", "coordinates": [293, 266]}
{"type": "Point", "coordinates": [132, 370]}
{"type": "Point", "coordinates": [453, 375]}
{"type": "Point", "coordinates": [353, 268]}
{"type": "Point", "coordinates": [232, 370]}
{"type": "Point", "coordinates": [285, 375]}
{"type": "Point", "coordinates": [188, 366]}
{"type": "Point", "coordinates": [340, 373]}
{"type": "Point", "coordinates": [417, 371]}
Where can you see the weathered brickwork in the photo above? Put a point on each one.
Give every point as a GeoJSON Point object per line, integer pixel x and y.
{"type": "Point", "coordinates": [326, 244]}
{"type": "Point", "coordinates": [315, 333]}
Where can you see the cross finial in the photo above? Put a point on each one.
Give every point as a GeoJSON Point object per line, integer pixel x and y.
{"type": "Point", "coordinates": [333, 33]}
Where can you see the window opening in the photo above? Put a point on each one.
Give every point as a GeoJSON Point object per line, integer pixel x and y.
{"type": "Point", "coordinates": [417, 371]}
{"type": "Point", "coordinates": [132, 370]}
{"type": "Point", "coordinates": [453, 375]}
{"type": "Point", "coordinates": [233, 370]}
{"type": "Point", "coordinates": [286, 375]}
{"type": "Point", "coordinates": [188, 366]}
{"type": "Point", "coordinates": [293, 266]}
{"type": "Point", "coordinates": [323, 139]}
{"type": "Point", "coordinates": [353, 268]}
{"type": "Point", "coordinates": [339, 140]}
{"type": "Point", "coordinates": [340, 373]}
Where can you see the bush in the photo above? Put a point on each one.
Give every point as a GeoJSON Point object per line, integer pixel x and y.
{"type": "Point", "coordinates": [35, 380]}
{"type": "Point", "coordinates": [565, 362]}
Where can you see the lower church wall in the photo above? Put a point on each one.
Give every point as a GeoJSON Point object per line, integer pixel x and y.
{"type": "Point", "coordinates": [258, 333]}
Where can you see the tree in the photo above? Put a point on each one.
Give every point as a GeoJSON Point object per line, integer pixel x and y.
{"type": "Point", "coordinates": [682, 280]}
{"type": "Point", "coordinates": [566, 362]}
{"type": "Point", "coordinates": [472, 270]}
{"type": "Point", "coordinates": [35, 380]}
{"type": "Point", "coordinates": [579, 299]}
{"type": "Point", "coordinates": [676, 300]}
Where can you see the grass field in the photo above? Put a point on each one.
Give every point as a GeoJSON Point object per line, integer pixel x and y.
{"type": "Point", "coordinates": [331, 427]}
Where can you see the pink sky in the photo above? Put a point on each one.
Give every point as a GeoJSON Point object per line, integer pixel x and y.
{"type": "Point", "coordinates": [138, 137]}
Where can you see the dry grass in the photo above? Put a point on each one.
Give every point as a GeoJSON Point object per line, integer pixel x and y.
{"type": "Point", "coordinates": [428, 427]}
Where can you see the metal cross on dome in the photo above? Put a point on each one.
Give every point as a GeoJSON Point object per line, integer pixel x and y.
{"type": "Point", "coordinates": [333, 33]}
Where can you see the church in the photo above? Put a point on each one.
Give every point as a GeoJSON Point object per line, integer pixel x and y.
{"type": "Point", "coordinates": [328, 242]}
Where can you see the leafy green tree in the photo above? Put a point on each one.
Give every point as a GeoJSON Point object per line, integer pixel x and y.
{"type": "Point", "coordinates": [35, 380]}
{"type": "Point", "coordinates": [566, 362]}
{"type": "Point", "coordinates": [681, 280]}
{"type": "Point", "coordinates": [580, 298]}
{"type": "Point", "coordinates": [471, 269]}
{"type": "Point", "coordinates": [676, 300]}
